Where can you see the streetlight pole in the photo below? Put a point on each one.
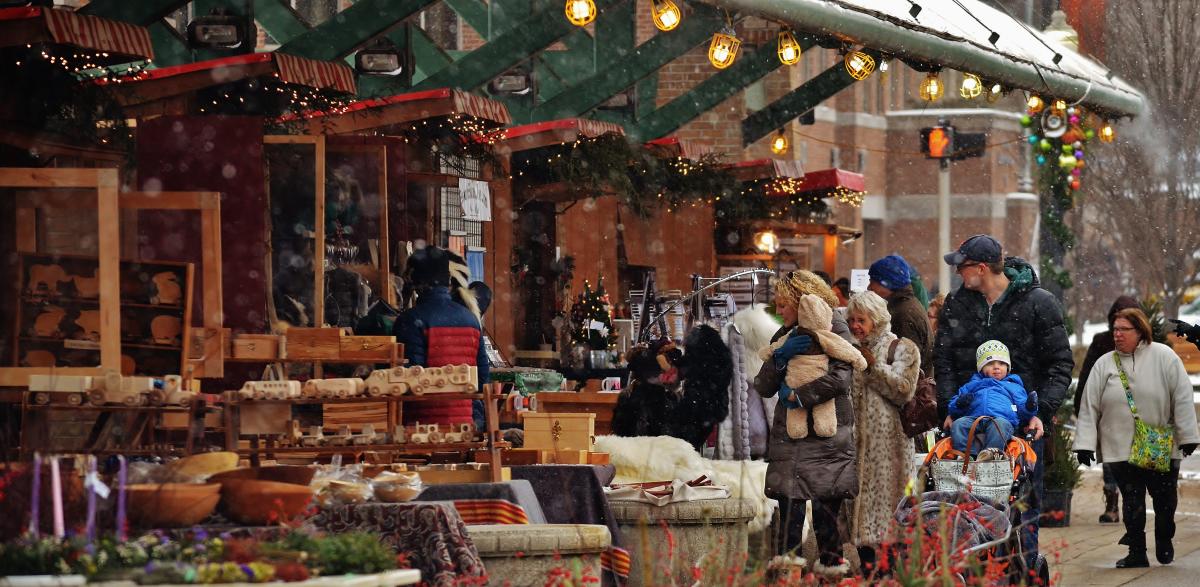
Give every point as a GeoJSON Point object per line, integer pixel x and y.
{"type": "Point", "coordinates": [943, 223]}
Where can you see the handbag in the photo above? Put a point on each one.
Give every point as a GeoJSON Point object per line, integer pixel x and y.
{"type": "Point", "coordinates": [992, 479]}
{"type": "Point", "coordinates": [1152, 445]}
{"type": "Point", "coordinates": [918, 414]}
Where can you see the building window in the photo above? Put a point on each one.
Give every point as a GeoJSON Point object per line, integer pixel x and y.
{"type": "Point", "coordinates": [835, 157]}
{"type": "Point", "coordinates": [451, 225]}
{"type": "Point", "coordinates": [862, 161]}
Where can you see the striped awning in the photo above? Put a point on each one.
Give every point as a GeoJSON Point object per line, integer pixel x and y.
{"type": "Point", "coordinates": [400, 109]}
{"type": "Point", "coordinates": [766, 169]}
{"type": "Point", "coordinates": [34, 25]}
{"type": "Point", "coordinates": [289, 69]}
{"type": "Point", "coordinates": [677, 147]}
{"type": "Point", "coordinates": [553, 132]}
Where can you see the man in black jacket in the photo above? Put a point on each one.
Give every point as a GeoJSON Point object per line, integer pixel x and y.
{"type": "Point", "coordinates": [1001, 299]}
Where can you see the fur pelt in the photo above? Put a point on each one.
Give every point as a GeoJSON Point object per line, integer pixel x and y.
{"type": "Point", "coordinates": [689, 409]}
{"type": "Point", "coordinates": [664, 458]}
{"type": "Point", "coordinates": [757, 326]}
{"type": "Point", "coordinates": [733, 433]}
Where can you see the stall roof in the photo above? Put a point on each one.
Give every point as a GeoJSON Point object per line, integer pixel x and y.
{"type": "Point", "coordinates": [677, 147]}
{"type": "Point", "coordinates": [158, 84]}
{"type": "Point", "coordinates": [957, 35]}
{"type": "Point", "coordinates": [553, 132]}
{"type": "Point", "coordinates": [33, 25]}
{"type": "Point", "coordinates": [766, 169]}
{"type": "Point", "coordinates": [378, 113]}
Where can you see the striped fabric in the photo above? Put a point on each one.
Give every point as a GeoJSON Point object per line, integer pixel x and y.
{"type": "Point", "coordinates": [480, 107]}
{"type": "Point", "coordinates": [65, 27]}
{"type": "Point", "coordinates": [316, 74]}
{"type": "Point", "coordinates": [490, 511]}
{"type": "Point", "coordinates": [616, 559]}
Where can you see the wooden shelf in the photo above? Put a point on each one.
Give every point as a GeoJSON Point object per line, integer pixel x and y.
{"type": "Point", "coordinates": [110, 408]}
{"type": "Point", "coordinates": [407, 447]}
{"type": "Point", "coordinates": [135, 345]}
{"type": "Point", "coordinates": [364, 399]}
{"type": "Point", "coordinates": [95, 301]}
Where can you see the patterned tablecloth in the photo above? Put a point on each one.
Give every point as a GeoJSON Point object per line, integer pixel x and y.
{"type": "Point", "coordinates": [431, 534]}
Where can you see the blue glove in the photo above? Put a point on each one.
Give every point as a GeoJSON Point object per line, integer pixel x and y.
{"type": "Point", "coordinates": [794, 345]}
{"type": "Point", "coordinates": [785, 394]}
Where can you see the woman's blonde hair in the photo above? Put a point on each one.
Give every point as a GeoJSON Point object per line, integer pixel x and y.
{"type": "Point", "coordinates": [869, 304]}
{"type": "Point", "coordinates": [794, 284]}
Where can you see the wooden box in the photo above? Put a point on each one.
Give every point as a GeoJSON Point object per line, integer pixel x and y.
{"type": "Point", "coordinates": [600, 404]}
{"type": "Point", "coordinates": [368, 348]}
{"type": "Point", "coordinates": [256, 346]}
{"type": "Point", "coordinates": [480, 475]}
{"type": "Point", "coordinates": [313, 343]}
{"type": "Point", "coordinates": [559, 431]}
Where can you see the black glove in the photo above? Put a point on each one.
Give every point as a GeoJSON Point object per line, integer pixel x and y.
{"type": "Point", "coordinates": [1188, 449]}
{"type": "Point", "coordinates": [965, 400]}
{"type": "Point", "coordinates": [1085, 457]}
{"type": "Point", "coordinates": [1032, 404]}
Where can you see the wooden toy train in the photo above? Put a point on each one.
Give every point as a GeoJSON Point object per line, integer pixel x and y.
{"type": "Point", "coordinates": [110, 388]}
{"type": "Point", "coordinates": [382, 382]}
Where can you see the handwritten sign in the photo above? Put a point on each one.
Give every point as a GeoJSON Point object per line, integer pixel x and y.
{"type": "Point", "coordinates": [476, 199]}
{"type": "Point", "coordinates": [859, 280]}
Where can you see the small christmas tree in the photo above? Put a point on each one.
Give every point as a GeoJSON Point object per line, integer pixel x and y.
{"type": "Point", "coordinates": [591, 316]}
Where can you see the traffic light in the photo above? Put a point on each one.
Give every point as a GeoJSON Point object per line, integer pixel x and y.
{"type": "Point", "coordinates": [937, 142]}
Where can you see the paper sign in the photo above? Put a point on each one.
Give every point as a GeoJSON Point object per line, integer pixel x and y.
{"type": "Point", "coordinates": [859, 279]}
{"type": "Point", "coordinates": [476, 199]}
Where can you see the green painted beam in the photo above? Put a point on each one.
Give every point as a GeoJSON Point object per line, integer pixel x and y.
{"type": "Point", "coordinates": [749, 68]}
{"type": "Point", "coordinates": [646, 96]}
{"type": "Point", "coordinates": [278, 17]}
{"type": "Point", "coordinates": [640, 63]}
{"type": "Point", "coordinates": [141, 12]}
{"type": "Point", "coordinates": [798, 101]}
{"type": "Point", "coordinates": [472, 12]}
{"type": "Point", "coordinates": [503, 52]}
{"type": "Point", "coordinates": [169, 47]}
{"type": "Point", "coordinates": [428, 56]}
{"type": "Point", "coordinates": [341, 35]}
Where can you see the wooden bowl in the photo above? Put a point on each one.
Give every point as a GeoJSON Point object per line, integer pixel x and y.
{"type": "Point", "coordinates": [171, 505]}
{"type": "Point", "coordinates": [395, 492]}
{"type": "Point", "coordinates": [292, 474]}
{"type": "Point", "coordinates": [260, 503]}
{"type": "Point", "coordinates": [203, 464]}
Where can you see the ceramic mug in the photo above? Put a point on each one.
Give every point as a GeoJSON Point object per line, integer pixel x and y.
{"type": "Point", "coordinates": [611, 384]}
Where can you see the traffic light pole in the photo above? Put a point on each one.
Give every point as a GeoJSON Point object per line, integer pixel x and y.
{"type": "Point", "coordinates": [943, 222]}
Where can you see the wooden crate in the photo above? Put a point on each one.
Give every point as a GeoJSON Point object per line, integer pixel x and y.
{"type": "Point", "coordinates": [600, 404]}
{"type": "Point", "coordinates": [369, 348]}
{"type": "Point", "coordinates": [559, 431]}
{"type": "Point", "coordinates": [537, 456]}
{"type": "Point", "coordinates": [256, 346]}
{"type": "Point", "coordinates": [313, 343]}
{"type": "Point", "coordinates": [481, 475]}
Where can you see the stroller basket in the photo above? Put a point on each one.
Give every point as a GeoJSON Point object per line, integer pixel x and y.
{"type": "Point", "coordinates": [971, 521]}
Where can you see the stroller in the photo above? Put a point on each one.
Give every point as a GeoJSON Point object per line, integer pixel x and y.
{"type": "Point", "coordinates": [979, 500]}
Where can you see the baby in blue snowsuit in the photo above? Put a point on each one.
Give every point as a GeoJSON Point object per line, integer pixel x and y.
{"type": "Point", "coordinates": [992, 391]}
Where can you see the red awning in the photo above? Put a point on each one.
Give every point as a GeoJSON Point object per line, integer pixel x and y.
{"type": "Point", "coordinates": [378, 113]}
{"type": "Point", "coordinates": [848, 187]}
{"type": "Point", "coordinates": [289, 69]}
{"type": "Point", "coordinates": [553, 132]}
{"type": "Point", "coordinates": [32, 25]}
{"type": "Point", "coordinates": [677, 147]}
{"type": "Point", "coordinates": [766, 169]}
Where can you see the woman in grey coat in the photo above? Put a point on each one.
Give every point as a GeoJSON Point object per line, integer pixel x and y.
{"type": "Point", "coordinates": [816, 469]}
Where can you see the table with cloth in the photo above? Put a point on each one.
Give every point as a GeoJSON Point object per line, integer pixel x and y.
{"type": "Point", "coordinates": [431, 534]}
{"type": "Point", "coordinates": [478, 498]}
{"type": "Point", "coordinates": [574, 494]}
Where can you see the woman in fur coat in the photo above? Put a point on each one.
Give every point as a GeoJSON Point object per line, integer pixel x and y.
{"type": "Point", "coordinates": [813, 468]}
{"type": "Point", "coordinates": [885, 453]}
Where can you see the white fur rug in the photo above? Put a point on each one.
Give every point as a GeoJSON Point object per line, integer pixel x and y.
{"type": "Point", "coordinates": [757, 326]}
{"type": "Point", "coordinates": [665, 458]}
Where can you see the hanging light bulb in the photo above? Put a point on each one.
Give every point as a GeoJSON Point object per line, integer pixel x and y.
{"type": "Point", "coordinates": [971, 86]}
{"type": "Point", "coordinates": [859, 65]}
{"type": "Point", "coordinates": [883, 66]}
{"type": "Point", "coordinates": [723, 49]}
{"type": "Point", "coordinates": [1060, 105]}
{"type": "Point", "coordinates": [780, 145]}
{"type": "Point", "coordinates": [932, 88]}
{"type": "Point", "coordinates": [1035, 104]}
{"type": "Point", "coordinates": [666, 15]}
{"type": "Point", "coordinates": [995, 92]}
{"type": "Point", "coordinates": [767, 242]}
{"type": "Point", "coordinates": [581, 12]}
{"type": "Point", "coordinates": [1107, 133]}
{"type": "Point", "coordinates": [789, 49]}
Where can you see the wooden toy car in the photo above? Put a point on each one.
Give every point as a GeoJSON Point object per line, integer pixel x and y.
{"type": "Point", "coordinates": [172, 393]}
{"type": "Point", "coordinates": [340, 387]}
{"type": "Point", "coordinates": [394, 381]}
{"type": "Point", "coordinates": [269, 390]}
{"type": "Point", "coordinates": [315, 437]}
{"type": "Point", "coordinates": [115, 389]}
{"type": "Point", "coordinates": [72, 389]}
{"type": "Point", "coordinates": [465, 433]}
{"type": "Point", "coordinates": [419, 380]}
{"type": "Point", "coordinates": [426, 434]}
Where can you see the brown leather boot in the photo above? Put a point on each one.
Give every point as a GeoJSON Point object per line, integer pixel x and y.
{"type": "Point", "coordinates": [1111, 513]}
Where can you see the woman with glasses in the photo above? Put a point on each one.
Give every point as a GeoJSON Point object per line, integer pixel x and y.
{"type": "Point", "coordinates": [1148, 379]}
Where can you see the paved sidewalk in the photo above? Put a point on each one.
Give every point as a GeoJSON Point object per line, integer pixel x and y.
{"type": "Point", "coordinates": [1087, 550]}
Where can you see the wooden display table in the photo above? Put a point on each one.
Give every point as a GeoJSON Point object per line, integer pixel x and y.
{"type": "Point", "coordinates": [583, 402]}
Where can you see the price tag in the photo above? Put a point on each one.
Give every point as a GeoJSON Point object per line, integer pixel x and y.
{"type": "Point", "coordinates": [859, 280]}
{"type": "Point", "coordinates": [92, 481]}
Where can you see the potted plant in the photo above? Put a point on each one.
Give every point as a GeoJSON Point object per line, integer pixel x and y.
{"type": "Point", "coordinates": [1062, 473]}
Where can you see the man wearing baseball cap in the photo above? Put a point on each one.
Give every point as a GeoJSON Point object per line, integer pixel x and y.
{"type": "Point", "coordinates": [1001, 299]}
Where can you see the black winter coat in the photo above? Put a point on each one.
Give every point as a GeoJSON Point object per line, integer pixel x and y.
{"type": "Point", "coordinates": [910, 321]}
{"type": "Point", "coordinates": [812, 467]}
{"type": "Point", "coordinates": [1026, 318]}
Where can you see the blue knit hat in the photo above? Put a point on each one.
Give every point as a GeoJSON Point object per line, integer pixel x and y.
{"type": "Point", "coordinates": [891, 272]}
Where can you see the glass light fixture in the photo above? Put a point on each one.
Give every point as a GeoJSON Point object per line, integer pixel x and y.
{"type": "Point", "coordinates": [1107, 133]}
{"type": "Point", "coordinates": [666, 15]}
{"type": "Point", "coordinates": [779, 145]}
{"type": "Point", "coordinates": [1060, 105]}
{"type": "Point", "coordinates": [789, 49]}
{"type": "Point", "coordinates": [971, 86]}
{"type": "Point", "coordinates": [581, 12]}
{"type": "Point", "coordinates": [1035, 104]}
{"type": "Point", "coordinates": [932, 88]}
{"type": "Point", "coordinates": [995, 92]}
{"type": "Point", "coordinates": [767, 242]}
{"type": "Point", "coordinates": [859, 65]}
{"type": "Point", "coordinates": [883, 66]}
{"type": "Point", "coordinates": [723, 49]}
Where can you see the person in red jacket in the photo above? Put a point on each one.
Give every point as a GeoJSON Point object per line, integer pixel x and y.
{"type": "Point", "coordinates": [441, 328]}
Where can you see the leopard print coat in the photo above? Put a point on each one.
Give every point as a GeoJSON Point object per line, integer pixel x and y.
{"type": "Point", "coordinates": [885, 453]}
